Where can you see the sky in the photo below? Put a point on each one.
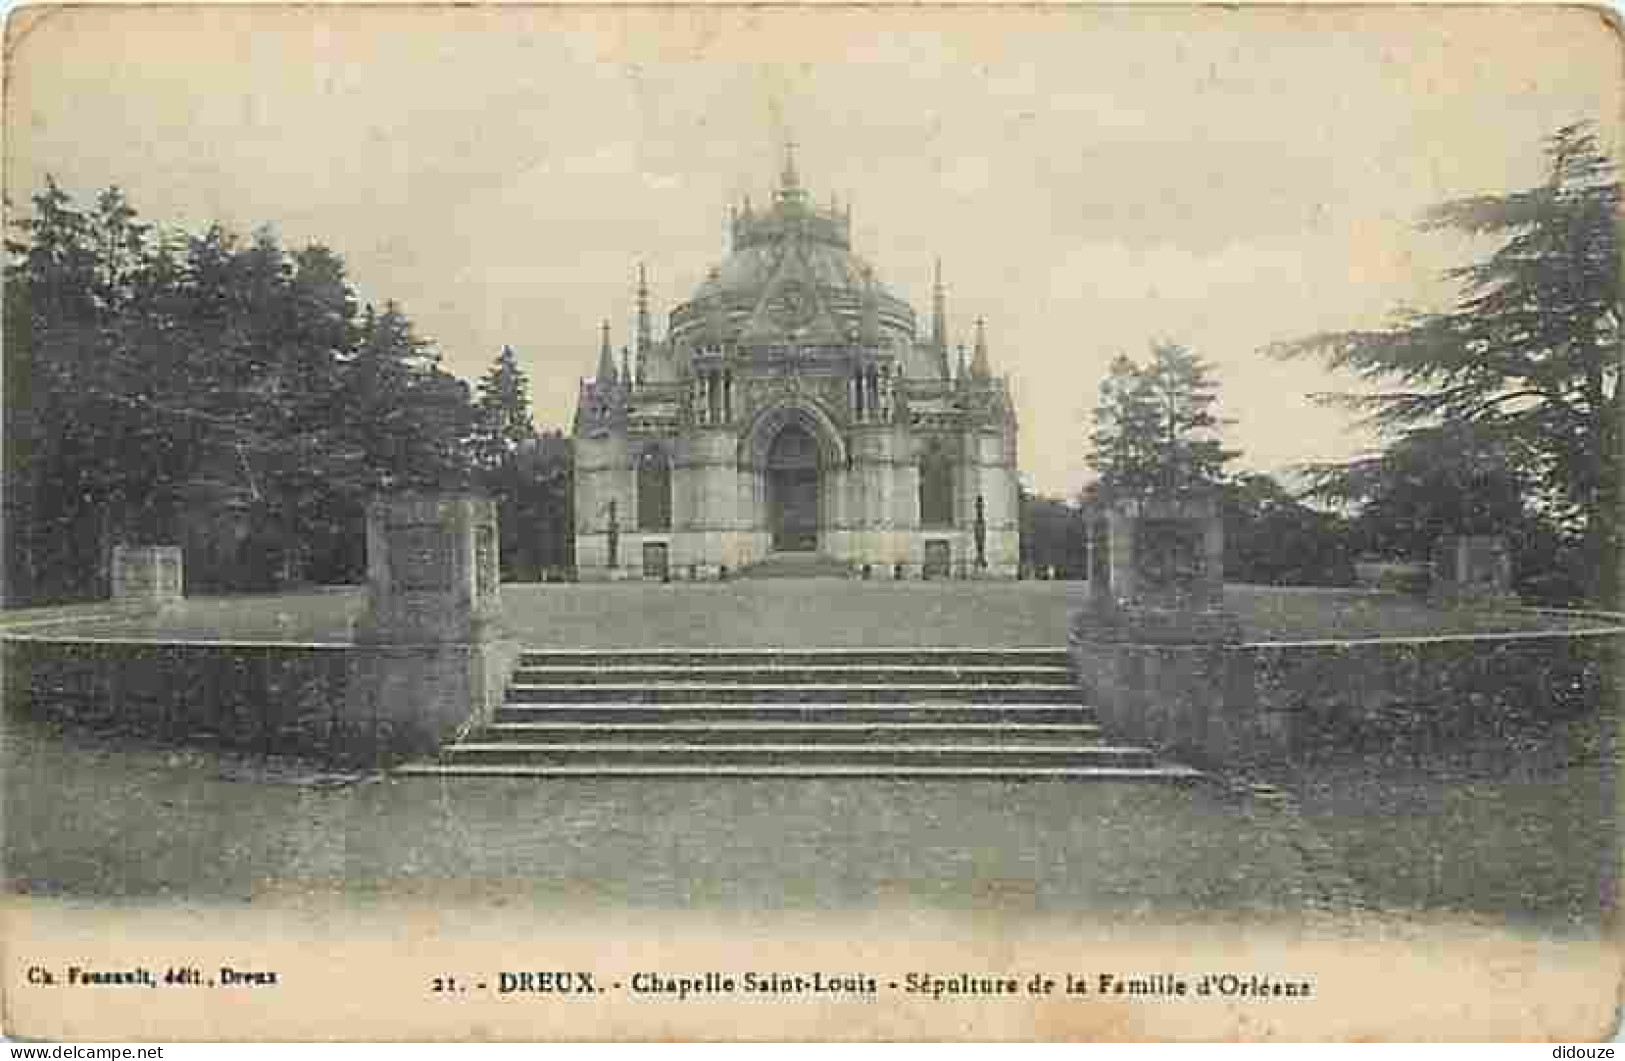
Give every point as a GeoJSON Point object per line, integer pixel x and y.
{"type": "Point", "coordinates": [1093, 179]}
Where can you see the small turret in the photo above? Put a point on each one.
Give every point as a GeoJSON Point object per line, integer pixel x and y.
{"type": "Point", "coordinates": [869, 321]}
{"type": "Point", "coordinates": [716, 319]}
{"type": "Point", "coordinates": [964, 371]}
{"type": "Point", "coordinates": [980, 368]}
{"type": "Point", "coordinates": [626, 366]}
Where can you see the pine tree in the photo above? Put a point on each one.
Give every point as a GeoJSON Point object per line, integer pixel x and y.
{"type": "Point", "coordinates": [503, 420]}
{"type": "Point", "coordinates": [1156, 431]}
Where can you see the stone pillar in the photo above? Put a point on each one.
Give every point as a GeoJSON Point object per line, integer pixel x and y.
{"type": "Point", "coordinates": [432, 570]}
{"type": "Point", "coordinates": [1158, 568]}
{"type": "Point", "coordinates": [1097, 527]}
{"type": "Point", "coordinates": [428, 659]}
{"type": "Point", "coordinates": [979, 530]}
{"type": "Point", "coordinates": [1154, 647]}
{"type": "Point", "coordinates": [149, 575]}
{"type": "Point", "coordinates": [1472, 570]}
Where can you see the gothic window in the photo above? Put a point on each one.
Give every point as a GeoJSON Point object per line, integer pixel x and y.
{"type": "Point", "coordinates": [936, 489]}
{"type": "Point", "coordinates": [654, 491]}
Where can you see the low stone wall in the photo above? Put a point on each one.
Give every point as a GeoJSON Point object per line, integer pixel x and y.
{"type": "Point", "coordinates": [273, 699]}
{"type": "Point", "coordinates": [1194, 702]}
{"type": "Point", "coordinates": [337, 703]}
{"type": "Point", "coordinates": [1427, 694]}
{"type": "Point", "coordinates": [410, 700]}
{"type": "Point", "coordinates": [1248, 705]}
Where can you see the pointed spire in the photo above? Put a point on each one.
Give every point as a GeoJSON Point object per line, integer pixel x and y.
{"type": "Point", "coordinates": [980, 366]}
{"type": "Point", "coordinates": [963, 371]}
{"type": "Point", "coordinates": [606, 359]}
{"type": "Point", "coordinates": [939, 311]}
{"type": "Point", "coordinates": [626, 366]}
{"type": "Point", "coordinates": [645, 331]}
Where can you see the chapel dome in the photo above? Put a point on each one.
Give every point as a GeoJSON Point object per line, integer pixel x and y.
{"type": "Point", "coordinates": [791, 274]}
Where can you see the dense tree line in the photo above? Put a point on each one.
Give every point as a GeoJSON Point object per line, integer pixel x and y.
{"type": "Point", "coordinates": [164, 385]}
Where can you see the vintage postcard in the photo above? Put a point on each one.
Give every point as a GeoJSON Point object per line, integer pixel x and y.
{"type": "Point", "coordinates": [817, 522]}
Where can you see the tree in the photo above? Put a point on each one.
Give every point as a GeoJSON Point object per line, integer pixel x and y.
{"type": "Point", "coordinates": [503, 422]}
{"type": "Point", "coordinates": [151, 373]}
{"type": "Point", "coordinates": [1448, 480]}
{"type": "Point", "coordinates": [1052, 535]}
{"type": "Point", "coordinates": [538, 521]}
{"type": "Point", "coordinates": [1156, 431]}
{"type": "Point", "coordinates": [1529, 356]}
{"type": "Point", "coordinates": [1452, 480]}
{"type": "Point", "coordinates": [1272, 538]}
{"type": "Point", "coordinates": [517, 468]}
{"type": "Point", "coordinates": [85, 445]}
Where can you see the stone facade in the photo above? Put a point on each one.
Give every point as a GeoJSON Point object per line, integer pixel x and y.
{"type": "Point", "coordinates": [792, 407]}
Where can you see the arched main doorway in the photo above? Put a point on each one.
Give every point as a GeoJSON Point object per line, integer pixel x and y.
{"type": "Point", "coordinates": [792, 490]}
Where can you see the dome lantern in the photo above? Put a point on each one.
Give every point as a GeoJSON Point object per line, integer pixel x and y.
{"type": "Point", "coordinates": [790, 190]}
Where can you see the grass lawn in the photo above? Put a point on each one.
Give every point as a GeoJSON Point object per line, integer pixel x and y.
{"type": "Point", "coordinates": [820, 612]}
{"type": "Point", "coordinates": [1277, 613]}
{"type": "Point", "coordinates": [1534, 836]}
{"type": "Point", "coordinates": [91, 815]}
{"type": "Point", "coordinates": [94, 816]}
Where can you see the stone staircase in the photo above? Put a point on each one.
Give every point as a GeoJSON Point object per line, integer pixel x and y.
{"type": "Point", "coordinates": [922, 713]}
{"type": "Point", "coordinates": [797, 565]}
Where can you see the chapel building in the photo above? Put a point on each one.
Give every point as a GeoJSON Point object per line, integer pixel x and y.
{"type": "Point", "coordinates": [793, 416]}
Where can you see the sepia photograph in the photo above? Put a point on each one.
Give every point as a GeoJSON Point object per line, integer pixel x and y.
{"type": "Point", "coordinates": [811, 522]}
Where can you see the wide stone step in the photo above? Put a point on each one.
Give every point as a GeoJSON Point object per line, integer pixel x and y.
{"type": "Point", "coordinates": [793, 674]}
{"type": "Point", "coordinates": [813, 754]}
{"type": "Point", "coordinates": [793, 692]}
{"type": "Point", "coordinates": [808, 711]}
{"type": "Point", "coordinates": [797, 565]}
{"type": "Point", "coordinates": [1161, 772]}
{"type": "Point", "coordinates": [874, 657]}
{"type": "Point", "coordinates": [791, 732]}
